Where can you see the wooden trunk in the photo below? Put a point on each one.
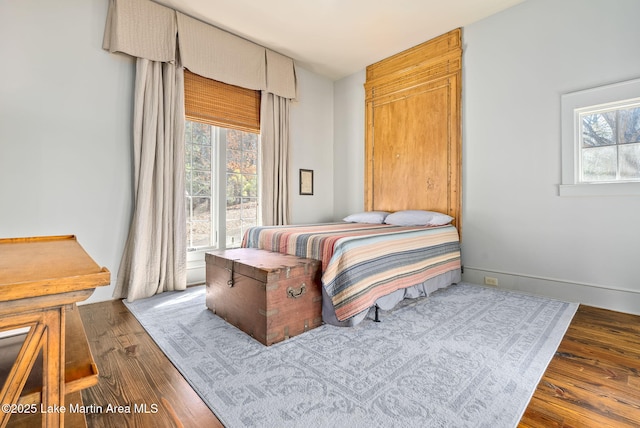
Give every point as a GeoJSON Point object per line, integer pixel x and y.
{"type": "Point", "coordinates": [270, 296]}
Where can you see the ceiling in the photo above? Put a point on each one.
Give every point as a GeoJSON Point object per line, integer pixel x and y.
{"type": "Point", "coordinates": [336, 38]}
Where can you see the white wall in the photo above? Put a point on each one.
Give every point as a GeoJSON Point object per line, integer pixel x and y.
{"type": "Point", "coordinates": [65, 114]}
{"type": "Point", "coordinates": [312, 147]}
{"type": "Point", "coordinates": [65, 131]}
{"type": "Point", "coordinates": [348, 149]}
{"type": "Point", "coordinates": [517, 64]}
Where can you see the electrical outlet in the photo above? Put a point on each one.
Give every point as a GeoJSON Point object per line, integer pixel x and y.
{"type": "Point", "coordinates": [489, 280]}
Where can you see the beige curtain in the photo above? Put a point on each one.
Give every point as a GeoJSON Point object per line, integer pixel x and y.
{"type": "Point", "coordinates": [154, 258]}
{"type": "Point", "coordinates": [274, 140]}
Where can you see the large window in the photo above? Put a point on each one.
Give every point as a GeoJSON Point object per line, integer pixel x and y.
{"type": "Point", "coordinates": [601, 141]}
{"type": "Point", "coordinates": [222, 145]}
{"type": "Point", "coordinates": [221, 185]}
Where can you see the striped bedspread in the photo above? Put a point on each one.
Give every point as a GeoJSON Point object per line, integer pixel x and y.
{"type": "Point", "coordinates": [362, 262]}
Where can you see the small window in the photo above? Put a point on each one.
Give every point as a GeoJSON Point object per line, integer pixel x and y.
{"type": "Point", "coordinates": [601, 141]}
{"type": "Point", "coordinates": [610, 143]}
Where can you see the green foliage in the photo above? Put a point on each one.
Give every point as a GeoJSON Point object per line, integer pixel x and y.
{"type": "Point", "coordinates": [241, 182]}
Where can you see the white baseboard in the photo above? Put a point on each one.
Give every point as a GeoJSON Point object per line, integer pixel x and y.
{"type": "Point", "coordinates": [196, 273]}
{"type": "Point", "coordinates": [599, 296]}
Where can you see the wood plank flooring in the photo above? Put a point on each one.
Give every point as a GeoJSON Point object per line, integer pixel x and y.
{"type": "Point", "coordinates": [593, 380]}
{"type": "Point", "coordinates": [135, 375]}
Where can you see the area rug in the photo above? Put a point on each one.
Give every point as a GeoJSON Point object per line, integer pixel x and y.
{"type": "Point", "coordinates": [466, 356]}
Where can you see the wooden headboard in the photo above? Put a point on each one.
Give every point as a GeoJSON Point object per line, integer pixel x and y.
{"type": "Point", "coordinates": [413, 139]}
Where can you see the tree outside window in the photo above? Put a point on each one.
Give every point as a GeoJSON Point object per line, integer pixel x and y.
{"type": "Point", "coordinates": [217, 155]}
{"type": "Point", "coordinates": [610, 144]}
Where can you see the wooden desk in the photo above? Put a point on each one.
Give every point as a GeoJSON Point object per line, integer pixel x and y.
{"type": "Point", "coordinates": [40, 279]}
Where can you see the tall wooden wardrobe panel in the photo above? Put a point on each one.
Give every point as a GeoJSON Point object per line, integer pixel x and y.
{"type": "Point", "coordinates": [413, 140]}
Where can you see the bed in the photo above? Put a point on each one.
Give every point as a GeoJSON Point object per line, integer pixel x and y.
{"type": "Point", "coordinates": [412, 113]}
{"type": "Point", "coordinates": [368, 266]}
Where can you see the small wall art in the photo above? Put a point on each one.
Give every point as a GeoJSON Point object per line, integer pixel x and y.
{"type": "Point", "coordinates": [306, 182]}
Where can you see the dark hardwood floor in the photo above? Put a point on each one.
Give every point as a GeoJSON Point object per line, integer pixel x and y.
{"type": "Point", "coordinates": [593, 380]}
{"type": "Point", "coordinates": [136, 375]}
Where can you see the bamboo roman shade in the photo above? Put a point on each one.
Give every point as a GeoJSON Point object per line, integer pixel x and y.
{"type": "Point", "coordinates": [220, 104]}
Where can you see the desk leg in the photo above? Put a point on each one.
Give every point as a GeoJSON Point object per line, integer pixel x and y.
{"type": "Point", "coordinates": [53, 370]}
{"type": "Point", "coordinates": [17, 376]}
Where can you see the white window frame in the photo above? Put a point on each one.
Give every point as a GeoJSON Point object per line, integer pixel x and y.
{"type": "Point", "coordinates": [571, 106]}
{"type": "Point", "coordinates": [196, 258]}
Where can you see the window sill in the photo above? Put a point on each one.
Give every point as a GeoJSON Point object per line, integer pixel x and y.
{"type": "Point", "coordinates": [599, 189]}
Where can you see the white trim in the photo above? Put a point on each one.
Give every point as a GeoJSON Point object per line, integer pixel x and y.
{"type": "Point", "coordinates": [14, 332]}
{"type": "Point", "coordinates": [599, 189]}
{"type": "Point", "coordinates": [196, 273]}
{"type": "Point", "coordinates": [564, 281]}
{"type": "Point", "coordinates": [613, 298]}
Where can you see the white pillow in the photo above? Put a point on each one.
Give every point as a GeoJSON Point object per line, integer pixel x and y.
{"type": "Point", "coordinates": [418, 218]}
{"type": "Point", "coordinates": [375, 217]}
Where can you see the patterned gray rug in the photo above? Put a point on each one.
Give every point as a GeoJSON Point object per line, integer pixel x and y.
{"type": "Point", "coordinates": [467, 356]}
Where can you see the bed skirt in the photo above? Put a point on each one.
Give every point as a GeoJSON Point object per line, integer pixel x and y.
{"type": "Point", "coordinates": [390, 300]}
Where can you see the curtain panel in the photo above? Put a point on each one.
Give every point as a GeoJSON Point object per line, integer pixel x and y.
{"type": "Point", "coordinates": [154, 258]}
{"type": "Point", "coordinates": [274, 149]}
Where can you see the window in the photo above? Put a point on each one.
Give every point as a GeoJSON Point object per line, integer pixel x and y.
{"type": "Point", "coordinates": [222, 146]}
{"type": "Point", "coordinates": [609, 140]}
{"type": "Point", "coordinates": [601, 141]}
{"type": "Point", "coordinates": [220, 161]}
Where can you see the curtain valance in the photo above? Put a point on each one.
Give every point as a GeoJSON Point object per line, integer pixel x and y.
{"type": "Point", "coordinates": [216, 54]}
{"type": "Point", "coordinates": [142, 29]}
{"type": "Point", "coordinates": [145, 29]}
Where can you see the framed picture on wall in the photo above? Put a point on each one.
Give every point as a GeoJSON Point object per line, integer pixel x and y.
{"type": "Point", "coordinates": [306, 182]}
